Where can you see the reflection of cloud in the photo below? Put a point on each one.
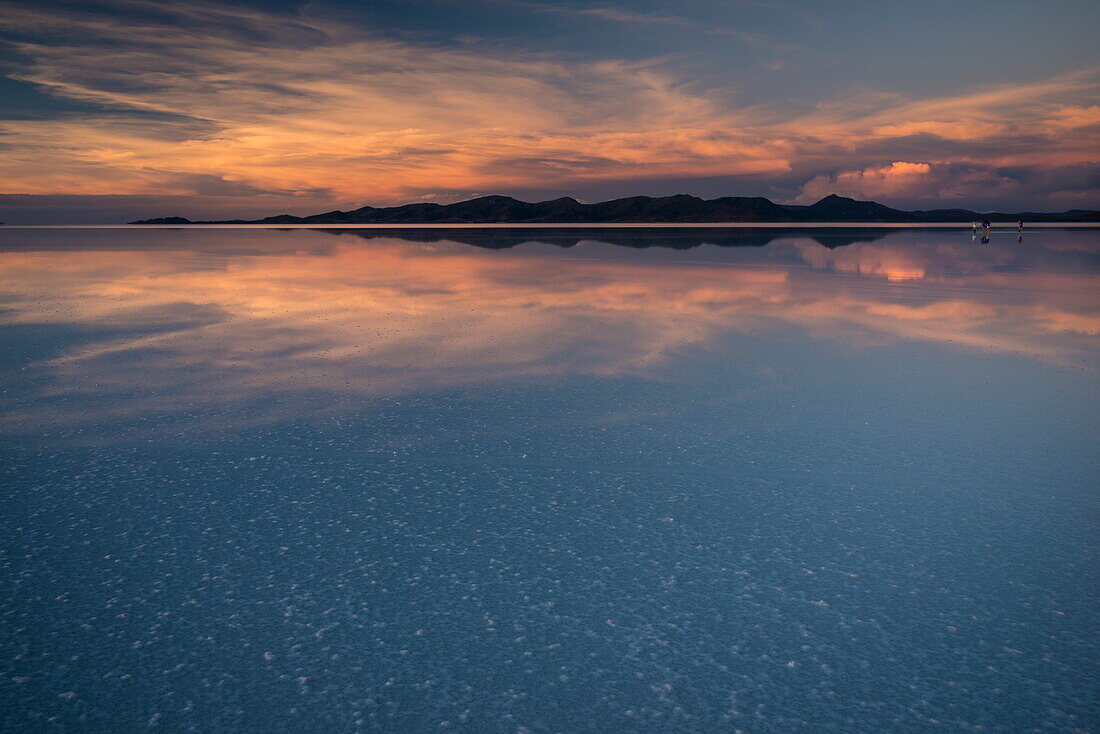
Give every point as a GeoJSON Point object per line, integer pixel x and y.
{"type": "Point", "coordinates": [895, 263]}
{"type": "Point", "coordinates": [312, 108]}
{"type": "Point", "coordinates": [397, 316]}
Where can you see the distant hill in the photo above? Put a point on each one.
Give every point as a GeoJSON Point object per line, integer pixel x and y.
{"type": "Point", "coordinates": [681, 209]}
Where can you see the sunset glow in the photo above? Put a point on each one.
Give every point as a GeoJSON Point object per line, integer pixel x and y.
{"type": "Point", "coordinates": [326, 107]}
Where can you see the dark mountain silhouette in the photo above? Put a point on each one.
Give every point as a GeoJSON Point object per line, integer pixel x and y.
{"type": "Point", "coordinates": [640, 210]}
{"type": "Point", "coordinates": [835, 208]}
{"type": "Point", "coordinates": [165, 220]}
{"type": "Point", "coordinates": [965, 215]}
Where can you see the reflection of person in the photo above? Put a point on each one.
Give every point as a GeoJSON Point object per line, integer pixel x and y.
{"type": "Point", "coordinates": [985, 239]}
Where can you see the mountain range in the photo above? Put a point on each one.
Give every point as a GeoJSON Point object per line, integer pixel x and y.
{"type": "Point", "coordinates": [681, 208]}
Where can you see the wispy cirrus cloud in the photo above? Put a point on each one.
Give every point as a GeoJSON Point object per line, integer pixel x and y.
{"type": "Point", "coordinates": [362, 116]}
{"type": "Point", "coordinates": [200, 98]}
{"type": "Point", "coordinates": [635, 18]}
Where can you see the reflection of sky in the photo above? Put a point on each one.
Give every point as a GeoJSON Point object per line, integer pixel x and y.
{"type": "Point", "coordinates": [301, 481]}
{"type": "Point", "coordinates": [210, 317]}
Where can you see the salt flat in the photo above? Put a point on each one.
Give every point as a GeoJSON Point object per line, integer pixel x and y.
{"type": "Point", "coordinates": [260, 480]}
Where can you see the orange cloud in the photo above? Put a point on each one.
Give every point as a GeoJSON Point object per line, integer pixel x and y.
{"type": "Point", "coordinates": [898, 178]}
{"type": "Point", "coordinates": [358, 115]}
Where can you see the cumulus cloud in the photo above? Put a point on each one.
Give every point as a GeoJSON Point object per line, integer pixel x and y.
{"type": "Point", "coordinates": [938, 183]}
{"type": "Point", "coordinates": [900, 177]}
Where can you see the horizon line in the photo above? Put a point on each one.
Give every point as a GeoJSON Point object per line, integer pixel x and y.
{"type": "Point", "coordinates": [570, 225]}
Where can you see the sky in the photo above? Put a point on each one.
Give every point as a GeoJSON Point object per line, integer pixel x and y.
{"type": "Point", "coordinates": [123, 109]}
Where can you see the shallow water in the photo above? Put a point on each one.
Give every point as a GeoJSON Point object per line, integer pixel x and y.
{"type": "Point", "coordinates": [549, 481]}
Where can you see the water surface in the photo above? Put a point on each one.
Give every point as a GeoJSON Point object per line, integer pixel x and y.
{"type": "Point", "coordinates": [549, 480]}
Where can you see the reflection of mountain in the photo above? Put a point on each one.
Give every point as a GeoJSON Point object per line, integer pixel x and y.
{"type": "Point", "coordinates": [638, 238]}
{"type": "Point", "coordinates": [497, 238]}
{"type": "Point", "coordinates": [745, 245]}
{"type": "Point", "coordinates": [666, 209]}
